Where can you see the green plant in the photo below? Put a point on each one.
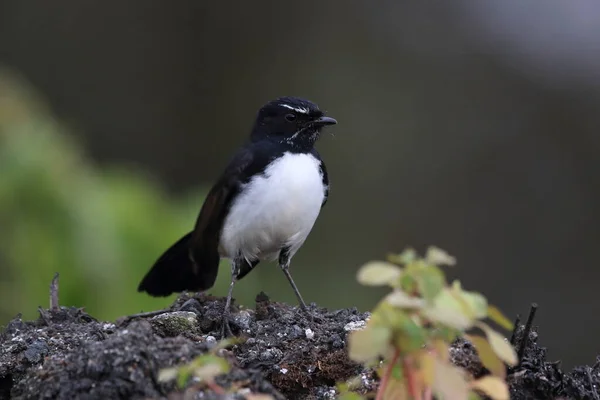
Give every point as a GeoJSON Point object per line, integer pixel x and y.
{"type": "Point", "coordinates": [204, 369]}
{"type": "Point", "coordinates": [413, 326]}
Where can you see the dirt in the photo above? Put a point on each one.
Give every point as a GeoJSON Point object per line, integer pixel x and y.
{"type": "Point", "coordinates": [67, 354]}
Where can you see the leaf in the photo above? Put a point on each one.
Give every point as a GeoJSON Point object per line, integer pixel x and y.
{"type": "Point", "coordinates": [395, 390]}
{"type": "Point", "coordinates": [350, 396]}
{"type": "Point", "coordinates": [368, 343]}
{"type": "Point", "coordinates": [183, 377]}
{"type": "Point", "coordinates": [411, 336]}
{"type": "Point", "coordinates": [488, 357]}
{"type": "Point", "coordinates": [427, 367]}
{"type": "Point", "coordinates": [448, 310]}
{"type": "Point", "coordinates": [441, 349]}
{"type": "Point", "coordinates": [378, 273]}
{"type": "Point", "coordinates": [430, 280]}
{"type": "Point", "coordinates": [406, 257]}
{"type": "Point", "coordinates": [500, 345]}
{"type": "Point", "coordinates": [493, 387]}
{"type": "Point", "coordinates": [474, 396]}
{"type": "Point", "coordinates": [437, 256]}
{"type": "Point", "coordinates": [399, 298]}
{"type": "Point", "coordinates": [449, 381]}
{"type": "Point", "coordinates": [207, 372]}
{"type": "Point", "coordinates": [496, 315]}
{"type": "Point", "coordinates": [224, 343]}
{"type": "Point", "coordinates": [474, 303]}
{"type": "Point", "coordinates": [262, 396]}
{"type": "Point", "coordinates": [167, 374]}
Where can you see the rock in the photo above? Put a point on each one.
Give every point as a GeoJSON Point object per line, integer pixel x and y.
{"type": "Point", "coordinates": [175, 323]}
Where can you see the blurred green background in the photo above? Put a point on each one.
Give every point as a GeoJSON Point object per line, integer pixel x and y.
{"type": "Point", "coordinates": [472, 126]}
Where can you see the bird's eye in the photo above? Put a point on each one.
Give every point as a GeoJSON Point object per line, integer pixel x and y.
{"type": "Point", "coordinates": [290, 117]}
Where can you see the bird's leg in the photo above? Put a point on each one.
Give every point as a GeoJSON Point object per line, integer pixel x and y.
{"type": "Point", "coordinates": [225, 328]}
{"type": "Point", "coordinates": [284, 264]}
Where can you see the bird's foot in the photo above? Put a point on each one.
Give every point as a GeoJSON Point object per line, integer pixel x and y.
{"type": "Point", "coordinates": [225, 328]}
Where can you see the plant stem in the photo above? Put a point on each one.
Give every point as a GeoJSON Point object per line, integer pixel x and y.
{"type": "Point", "coordinates": [410, 379]}
{"type": "Point", "coordinates": [386, 376]}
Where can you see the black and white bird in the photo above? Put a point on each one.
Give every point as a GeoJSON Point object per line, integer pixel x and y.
{"type": "Point", "coordinates": [262, 208]}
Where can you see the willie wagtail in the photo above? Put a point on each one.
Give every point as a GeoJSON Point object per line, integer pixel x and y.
{"type": "Point", "coordinates": [262, 208]}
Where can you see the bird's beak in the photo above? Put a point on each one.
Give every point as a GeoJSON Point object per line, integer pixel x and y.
{"type": "Point", "coordinates": [324, 121]}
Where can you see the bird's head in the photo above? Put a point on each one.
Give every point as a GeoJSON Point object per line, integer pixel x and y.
{"type": "Point", "coordinates": [292, 121]}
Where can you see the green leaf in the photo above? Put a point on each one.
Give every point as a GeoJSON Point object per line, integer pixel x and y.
{"type": "Point", "coordinates": [408, 283]}
{"type": "Point", "coordinates": [499, 344]}
{"type": "Point", "coordinates": [369, 343]}
{"type": "Point", "coordinates": [398, 372]}
{"type": "Point", "coordinates": [493, 387]}
{"type": "Point", "coordinates": [474, 396]}
{"type": "Point", "coordinates": [488, 357]}
{"type": "Point", "coordinates": [410, 336]}
{"type": "Point", "coordinates": [350, 396]}
{"type": "Point", "coordinates": [473, 303]}
{"type": "Point", "coordinates": [406, 257]}
{"type": "Point", "coordinates": [430, 280]}
{"type": "Point", "coordinates": [496, 315]}
{"type": "Point", "coordinates": [437, 256]}
{"type": "Point", "coordinates": [183, 377]}
{"type": "Point", "coordinates": [448, 310]}
{"type": "Point", "coordinates": [378, 273]}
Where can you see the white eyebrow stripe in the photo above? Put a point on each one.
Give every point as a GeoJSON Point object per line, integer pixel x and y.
{"type": "Point", "coordinates": [301, 110]}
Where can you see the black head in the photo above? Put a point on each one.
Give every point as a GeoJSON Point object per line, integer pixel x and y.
{"type": "Point", "coordinates": [290, 120]}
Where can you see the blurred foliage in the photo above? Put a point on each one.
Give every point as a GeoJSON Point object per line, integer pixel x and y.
{"type": "Point", "coordinates": [413, 327]}
{"type": "Point", "coordinates": [100, 228]}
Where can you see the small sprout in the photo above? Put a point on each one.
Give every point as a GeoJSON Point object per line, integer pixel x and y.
{"type": "Point", "coordinates": [413, 326]}
{"type": "Point", "coordinates": [493, 387]}
{"type": "Point", "coordinates": [378, 273]}
{"type": "Point", "coordinates": [205, 367]}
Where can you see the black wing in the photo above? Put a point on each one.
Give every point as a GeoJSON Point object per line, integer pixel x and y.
{"type": "Point", "coordinates": [192, 263]}
{"type": "Point", "coordinates": [204, 245]}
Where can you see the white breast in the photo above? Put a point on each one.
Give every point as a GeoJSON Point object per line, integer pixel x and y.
{"type": "Point", "coordinates": [275, 209]}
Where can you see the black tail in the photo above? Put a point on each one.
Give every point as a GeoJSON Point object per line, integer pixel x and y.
{"type": "Point", "coordinates": [175, 271]}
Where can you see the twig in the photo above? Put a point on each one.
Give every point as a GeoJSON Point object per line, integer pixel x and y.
{"type": "Point", "coordinates": [142, 315]}
{"type": "Point", "coordinates": [513, 337]}
{"type": "Point", "coordinates": [527, 330]}
{"type": "Point", "coordinates": [386, 376]}
{"type": "Point", "coordinates": [54, 305]}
